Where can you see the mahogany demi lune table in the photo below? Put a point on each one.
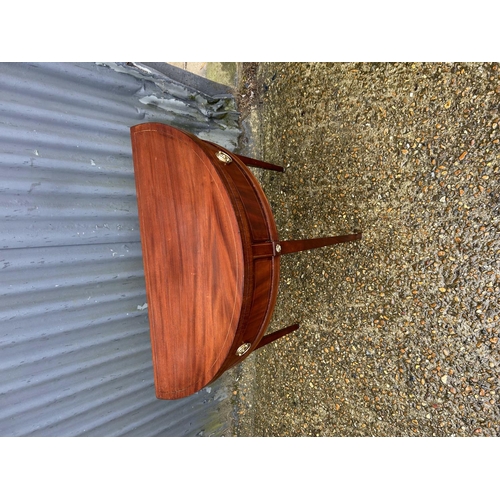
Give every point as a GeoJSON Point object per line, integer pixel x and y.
{"type": "Point", "coordinates": [211, 256]}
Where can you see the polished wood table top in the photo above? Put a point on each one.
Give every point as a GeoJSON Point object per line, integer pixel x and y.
{"type": "Point", "coordinates": [211, 256]}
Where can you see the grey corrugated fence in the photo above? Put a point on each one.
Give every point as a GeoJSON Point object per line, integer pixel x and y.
{"type": "Point", "coordinates": [74, 338]}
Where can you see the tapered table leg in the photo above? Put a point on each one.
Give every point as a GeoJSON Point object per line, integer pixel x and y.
{"type": "Point", "coordinates": [252, 162]}
{"type": "Point", "coordinates": [277, 335]}
{"type": "Point", "coordinates": [293, 246]}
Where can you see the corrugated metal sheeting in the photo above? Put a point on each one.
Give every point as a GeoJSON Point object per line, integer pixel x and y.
{"type": "Point", "coordinates": [75, 353]}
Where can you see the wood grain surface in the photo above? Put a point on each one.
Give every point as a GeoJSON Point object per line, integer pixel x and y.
{"type": "Point", "coordinates": [193, 258]}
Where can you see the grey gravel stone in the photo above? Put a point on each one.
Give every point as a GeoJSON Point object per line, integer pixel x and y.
{"type": "Point", "coordinates": [399, 331]}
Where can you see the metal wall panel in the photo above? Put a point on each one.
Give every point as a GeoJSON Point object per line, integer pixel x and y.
{"type": "Point", "coordinates": [75, 353]}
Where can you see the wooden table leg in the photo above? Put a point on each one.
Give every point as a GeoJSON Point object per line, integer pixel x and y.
{"type": "Point", "coordinates": [277, 335]}
{"type": "Point", "coordinates": [252, 162]}
{"type": "Point", "coordinates": [293, 246]}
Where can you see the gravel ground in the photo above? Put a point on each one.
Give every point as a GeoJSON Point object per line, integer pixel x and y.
{"type": "Point", "coordinates": [399, 331]}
